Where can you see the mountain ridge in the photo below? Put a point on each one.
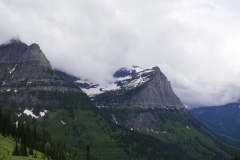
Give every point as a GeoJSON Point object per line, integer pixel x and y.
{"type": "Point", "coordinates": [225, 118]}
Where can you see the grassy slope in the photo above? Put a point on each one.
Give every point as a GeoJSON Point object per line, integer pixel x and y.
{"type": "Point", "coordinates": [87, 128]}
{"type": "Point", "coordinates": [191, 140]}
{"type": "Point", "coordinates": [196, 140]}
{"type": "Point", "coordinates": [106, 140]}
{"type": "Point", "coordinates": [84, 127]}
{"type": "Point", "coordinates": [7, 145]}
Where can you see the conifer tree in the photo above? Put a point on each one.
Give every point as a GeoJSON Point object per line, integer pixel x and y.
{"type": "Point", "coordinates": [15, 151]}
{"type": "Point", "coordinates": [30, 150]}
{"type": "Point", "coordinates": [1, 119]}
{"type": "Point", "coordinates": [87, 152]}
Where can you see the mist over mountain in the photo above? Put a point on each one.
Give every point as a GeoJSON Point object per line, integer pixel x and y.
{"type": "Point", "coordinates": [193, 42]}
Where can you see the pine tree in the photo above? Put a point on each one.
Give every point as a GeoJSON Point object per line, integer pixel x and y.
{"type": "Point", "coordinates": [30, 150]}
{"type": "Point", "coordinates": [87, 152]}
{"type": "Point", "coordinates": [23, 146]}
{"type": "Point", "coordinates": [15, 151]}
{"type": "Point", "coordinates": [1, 119]}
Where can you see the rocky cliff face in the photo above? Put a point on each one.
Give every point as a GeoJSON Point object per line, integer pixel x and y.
{"type": "Point", "coordinates": [143, 96]}
{"type": "Point", "coordinates": [147, 89]}
{"type": "Point", "coordinates": [136, 99]}
{"type": "Point", "coordinates": [157, 93]}
{"type": "Point", "coordinates": [17, 52]}
{"type": "Point", "coordinates": [24, 73]}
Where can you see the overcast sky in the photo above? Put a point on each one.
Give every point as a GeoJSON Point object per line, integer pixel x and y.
{"type": "Point", "coordinates": [196, 43]}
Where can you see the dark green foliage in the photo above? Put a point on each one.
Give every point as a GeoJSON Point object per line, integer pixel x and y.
{"type": "Point", "coordinates": [15, 151]}
{"type": "Point", "coordinates": [36, 138]}
{"type": "Point", "coordinates": [237, 157]}
{"type": "Point", "coordinates": [87, 153]}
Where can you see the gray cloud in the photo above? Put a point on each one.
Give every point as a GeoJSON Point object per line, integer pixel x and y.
{"type": "Point", "coordinates": [196, 43]}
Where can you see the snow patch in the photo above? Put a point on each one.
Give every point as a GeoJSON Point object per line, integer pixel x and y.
{"type": "Point", "coordinates": [131, 129]}
{"type": "Point", "coordinates": [15, 91]}
{"type": "Point", "coordinates": [8, 90]}
{"type": "Point", "coordinates": [3, 83]}
{"type": "Point", "coordinates": [138, 69]}
{"type": "Point", "coordinates": [124, 78]}
{"type": "Point", "coordinates": [13, 69]}
{"type": "Point", "coordinates": [16, 123]}
{"type": "Point", "coordinates": [187, 127]}
{"type": "Point", "coordinates": [114, 119]}
{"type": "Point", "coordinates": [164, 132]}
{"type": "Point", "coordinates": [127, 82]}
{"type": "Point", "coordinates": [29, 112]}
{"type": "Point", "coordinates": [63, 122]}
{"type": "Point", "coordinates": [43, 113]}
{"type": "Point", "coordinates": [18, 114]}
{"type": "Point", "coordinates": [99, 89]}
{"type": "Point", "coordinates": [29, 83]}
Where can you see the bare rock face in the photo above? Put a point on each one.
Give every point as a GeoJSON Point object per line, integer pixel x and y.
{"type": "Point", "coordinates": [17, 52]}
{"type": "Point", "coordinates": [142, 107]}
{"type": "Point", "coordinates": [25, 73]}
{"type": "Point", "coordinates": [157, 93]}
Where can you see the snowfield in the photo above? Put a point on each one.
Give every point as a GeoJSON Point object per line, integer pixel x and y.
{"type": "Point", "coordinates": [127, 82]}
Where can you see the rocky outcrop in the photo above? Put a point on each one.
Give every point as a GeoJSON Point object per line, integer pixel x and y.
{"type": "Point", "coordinates": [152, 94]}
{"type": "Point", "coordinates": [26, 67]}
{"type": "Point", "coordinates": [157, 93]}
{"type": "Point", "coordinates": [25, 72]}
{"type": "Point", "coordinates": [153, 90]}
{"type": "Point", "coordinates": [17, 52]}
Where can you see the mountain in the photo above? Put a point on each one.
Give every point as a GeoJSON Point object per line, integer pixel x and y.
{"type": "Point", "coordinates": [143, 101]}
{"type": "Point", "coordinates": [225, 118]}
{"type": "Point", "coordinates": [26, 77]}
{"type": "Point", "coordinates": [135, 89]}
{"type": "Point", "coordinates": [34, 93]}
{"type": "Point", "coordinates": [146, 88]}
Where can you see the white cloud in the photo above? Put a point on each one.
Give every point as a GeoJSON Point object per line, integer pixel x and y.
{"type": "Point", "coordinates": [195, 42]}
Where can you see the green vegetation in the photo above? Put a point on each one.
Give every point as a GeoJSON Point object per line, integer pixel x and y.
{"type": "Point", "coordinates": [237, 157]}
{"type": "Point", "coordinates": [34, 139]}
{"type": "Point", "coordinates": [6, 148]}
{"type": "Point", "coordinates": [179, 129]}
{"type": "Point", "coordinates": [106, 140]}
{"type": "Point", "coordinates": [74, 119]}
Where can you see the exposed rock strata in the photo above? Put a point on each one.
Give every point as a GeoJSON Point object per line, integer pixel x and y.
{"type": "Point", "coordinates": [24, 72]}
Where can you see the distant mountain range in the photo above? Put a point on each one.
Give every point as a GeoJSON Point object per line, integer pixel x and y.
{"type": "Point", "coordinates": [225, 118]}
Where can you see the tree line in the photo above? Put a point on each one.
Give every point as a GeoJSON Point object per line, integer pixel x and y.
{"type": "Point", "coordinates": [36, 138]}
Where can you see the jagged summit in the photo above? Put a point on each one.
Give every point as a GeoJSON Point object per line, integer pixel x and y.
{"type": "Point", "coordinates": [25, 72]}
{"type": "Point", "coordinates": [17, 52]}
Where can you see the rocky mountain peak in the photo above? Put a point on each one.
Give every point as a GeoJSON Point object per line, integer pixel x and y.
{"type": "Point", "coordinates": [16, 52]}
{"type": "Point", "coordinates": [156, 92]}
{"type": "Point", "coordinates": [26, 74]}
